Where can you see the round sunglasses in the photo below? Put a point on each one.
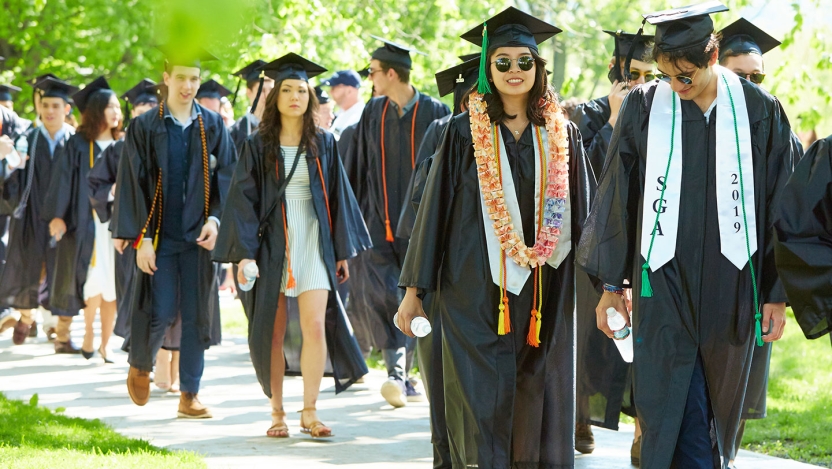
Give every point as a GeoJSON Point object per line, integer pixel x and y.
{"type": "Point", "coordinates": [685, 80]}
{"type": "Point", "coordinates": [636, 74]}
{"type": "Point", "coordinates": [503, 64]}
{"type": "Point", "coordinates": [755, 78]}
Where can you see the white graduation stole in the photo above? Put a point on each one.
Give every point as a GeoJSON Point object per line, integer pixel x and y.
{"type": "Point", "coordinates": [516, 276]}
{"type": "Point", "coordinates": [732, 215]}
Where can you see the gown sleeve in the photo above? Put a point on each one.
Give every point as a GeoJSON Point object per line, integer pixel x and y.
{"type": "Point", "coordinates": [428, 240]}
{"type": "Point", "coordinates": [608, 239]}
{"type": "Point", "coordinates": [354, 161]}
{"type": "Point", "coordinates": [133, 195]}
{"type": "Point", "coordinates": [226, 154]}
{"type": "Point", "coordinates": [61, 198]}
{"type": "Point", "coordinates": [350, 235]}
{"type": "Point", "coordinates": [101, 179]}
{"type": "Point", "coordinates": [783, 154]}
{"type": "Point", "coordinates": [803, 249]}
{"type": "Point", "coordinates": [596, 133]}
{"type": "Point", "coordinates": [417, 179]}
{"type": "Point", "coordinates": [239, 231]}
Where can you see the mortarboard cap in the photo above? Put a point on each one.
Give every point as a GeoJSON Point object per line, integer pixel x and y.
{"type": "Point", "coordinates": [685, 27]}
{"type": "Point", "coordinates": [185, 56]}
{"type": "Point", "coordinates": [6, 92]}
{"type": "Point", "coordinates": [292, 66]}
{"type": "Point", "coordinates": [55, 88]}
{"type": "Point", "coordinates": [468, 57]}
{"type": "Point", "coordinates": [458, 79]}
{"type": "Point", "coordinates": [212, 89]}
{"type": "Point", "coordinates": [393, 53]}
{"type": "Point", "coordinates": [80, 97]}
{"type": "Point", "coordinates": [144, 92]}
{"type": "Point", "coordinates": [626, 41]}
{"type": "Point", "coordinates": [512, 27]}
{"type": "Point", "coordinates": [251, 71]}
{"type": "Point", "coordinates": [322, 95]}
{"type": "Point", "coordinates": [743, 37]}
{"type": "Point", "coordinates": [34, 81]}
{"type": "Point", "coordinates": [343, 77]}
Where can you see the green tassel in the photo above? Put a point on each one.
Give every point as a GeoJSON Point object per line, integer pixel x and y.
{"type": "Point", "coordinates": [482, 81]}
{"type": "Point", "coordinates": [758, 329]}
{"type": "Point", "coordinates": [646, 288]}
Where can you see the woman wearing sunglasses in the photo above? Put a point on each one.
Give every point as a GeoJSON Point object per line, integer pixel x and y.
{"type": "Point", "coordinates": [291, 213]}
{"type": "Point", "coordinates": [500, 213]}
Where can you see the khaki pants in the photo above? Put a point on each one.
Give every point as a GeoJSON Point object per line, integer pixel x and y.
{"type": "Point", "coordinates": [62, 330]}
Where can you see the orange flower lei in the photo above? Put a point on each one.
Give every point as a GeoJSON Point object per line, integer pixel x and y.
{"type": "Point", "coordinates": [491, 184]}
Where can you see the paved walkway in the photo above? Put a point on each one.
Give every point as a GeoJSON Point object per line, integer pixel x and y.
{"type": "Point", "coordinates": [369, 433]}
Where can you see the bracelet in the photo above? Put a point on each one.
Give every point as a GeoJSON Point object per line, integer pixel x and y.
{"type": "Point", "coordinates": [613, 289]}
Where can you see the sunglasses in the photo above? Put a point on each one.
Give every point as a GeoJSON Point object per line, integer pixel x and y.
{"type": "Point", "coordinates": [636, 74]}
{"type": "Point", "coordinates": [525, 63]}
{"type": "Point", "coordinates": [685, 80]}
{"type": "Point", "coordinates": [755, 78]}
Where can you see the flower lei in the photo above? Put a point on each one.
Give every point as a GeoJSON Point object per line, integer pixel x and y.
{"type": "Point", "coordinates": [491, 184]}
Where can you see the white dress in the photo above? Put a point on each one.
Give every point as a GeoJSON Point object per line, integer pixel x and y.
{"type": "Point", "coordinates": [308, 265]}
{"type": "Point", "coordinates": [101, 276]}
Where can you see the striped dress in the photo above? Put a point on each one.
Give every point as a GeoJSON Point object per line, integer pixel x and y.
{"type": "Point", "coordinates": [308, 266]}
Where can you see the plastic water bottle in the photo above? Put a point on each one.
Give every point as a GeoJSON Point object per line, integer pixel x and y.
{"type": "Point", "coordinates": [419, 326]}
{"type": "Point", "coordinates": [250, 272]}
{"type": "Point", "coordinates": [621, 334]}
{"type": "Point", "coordinates": [21, 148]}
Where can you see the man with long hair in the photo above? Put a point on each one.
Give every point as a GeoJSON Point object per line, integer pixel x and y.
{"type": "Point", "coordinates": [173, 175]}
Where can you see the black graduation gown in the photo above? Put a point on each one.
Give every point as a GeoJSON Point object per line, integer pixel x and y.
{"type": "Point", "coordinates": [803, 249]}
{"type": "Point", "coordinates": [252, 228]}
{"type": "Point", "coordinates": [701, 303]}
{"type": "Point", "coordinates": [603, 380]}
{"type": "Point", "coordinates": [68, 198]}
{"type": "Point", "coordinates": [380, 266]}
{"type": "Point", "coordinates": [28, 250]}
{"type": "Point", "coordinates": [507, 404]}
{"type": "Point", "coordinates": [12, 126]}
{"type": "Point", "coordinates": [145, 151]}
{"type": "Point", "coordinates": [241, 129]}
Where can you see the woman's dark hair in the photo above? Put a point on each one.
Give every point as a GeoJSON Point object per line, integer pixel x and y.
{"type": "Point", "coordinates": [697, 55]}
{"type": "Point", "coordinates": [92, 119]}
{"type": "Point", "coordinates": [270, 125]}
{"type": "Point", "coordinates": [539, 94]}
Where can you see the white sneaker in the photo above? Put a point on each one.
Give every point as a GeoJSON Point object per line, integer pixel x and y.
{"type": "Point", "coordinates": [393, 392]}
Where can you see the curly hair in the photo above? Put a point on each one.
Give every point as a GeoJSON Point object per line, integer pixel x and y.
{"type": "Point", "coordinates": [538, 95]}
{"type": "Point", "coordinates": [92, 119]}
{"type": "Point", "coordinates": [696, 54]}
{"type": "Point", "coordinates": [271, 124]}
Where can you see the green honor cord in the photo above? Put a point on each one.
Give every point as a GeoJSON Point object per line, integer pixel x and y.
{"type": "Point", "coordinates": [758, 331]}
{"type": "Point", "coordinates": [646, 288]}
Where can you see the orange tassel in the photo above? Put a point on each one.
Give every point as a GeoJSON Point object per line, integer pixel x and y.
{"type": "Point", "coordinates": [290, 283]}
{"type": "Point", "coordinates": [390, 238]}
{"type": "Point", "coordinates": [533, 339]}
{"type": "Point", "coordinates": [138, 242]}
{"type": "Point", "coordinates": [507, 316]}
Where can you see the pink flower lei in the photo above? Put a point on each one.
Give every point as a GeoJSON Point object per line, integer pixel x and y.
{"type": "Point", "coordinates": [553, 198]}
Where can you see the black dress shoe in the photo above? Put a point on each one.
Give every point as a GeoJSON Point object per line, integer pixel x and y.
{"type": "Point", "coordinates": [86, 354]}
{"type": "Point", "coordinates": [103, 354]}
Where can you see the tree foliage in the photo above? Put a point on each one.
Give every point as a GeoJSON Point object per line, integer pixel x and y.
{"type": "Point", "coordinates": [81, 39]}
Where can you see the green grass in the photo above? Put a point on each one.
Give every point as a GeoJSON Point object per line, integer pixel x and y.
{"type": "Point", "coordinates": [34, 437]}
{"type": "Point", "coordinates": [799, 422]}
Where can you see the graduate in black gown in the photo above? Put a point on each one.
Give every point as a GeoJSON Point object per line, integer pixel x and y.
{"type": "Point", "coordinates": [24, 192]}
{"type": "Point", "coordinates": [741, 51]}
{"type": "Point", "coordinates": [210, 95]}
{"type": "Point", "coordinates": [507, 330]}
{"type": "Point", "coordinates": [85, 264]}
{"type": "Point", "coordinates": [290, 204]}
{"type": "Point", "coordinates": [174, 172]}
{"type": "Point", "coordinates": [803, 250]}
{"type": "Point", "coordinates": [603, 380]}
{"type": "Point", "coordinates": [379, 166]}
{"type": "Point", "coordinates": [258, 87]}
{"type": "Point", "coordinates": [704, 298]}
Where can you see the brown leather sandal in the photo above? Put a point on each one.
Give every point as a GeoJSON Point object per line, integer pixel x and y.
{"type": "Point", "coordinates": [315, 429]}
{"type": "Point", "coordinates": [278, 430]}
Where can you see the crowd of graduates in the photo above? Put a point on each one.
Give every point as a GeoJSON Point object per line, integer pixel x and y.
{"type": "Point", "coordinates": [513, 221]}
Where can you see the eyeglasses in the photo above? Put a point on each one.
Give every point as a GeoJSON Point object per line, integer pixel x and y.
{"type": "Point", "coordinates": [685, 80]}
{"type": "Point", "coordinates": [525, 63]}
{"type": "Point", "coordinates": [371, 72]}
{"type": "Point", "coordinates": [636, 74]}
{"type": "Point", "coordinates": [755, 78]}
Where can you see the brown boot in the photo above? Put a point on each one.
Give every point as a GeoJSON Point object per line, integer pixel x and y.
{"type": "Point", "coordinates": [21, 331]}
{"type": "Point", "coordinates": [33, 330]}
{"type": "Point", "coordinates": [191, 408]}
{"type": "Point", "coordinates": [66, 347]}
{"type": "Point", "coordinates": [584, 439]}
{"type": "Point", "coordinates": [635, 452]}
{"type": "Point", "coordinates": [50, 334]}
{"type": "Point", "coordinates": [138, 385]}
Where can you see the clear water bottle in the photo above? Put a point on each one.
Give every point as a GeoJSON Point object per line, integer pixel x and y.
{"type": "Point", "coordinates": [419, 326]}
{"type": "Point", "coordinates": [250, 272]}
{"type": "Point", "coordinates": [621, 334]}
{"type": "Point", "coordinates": [13, 159]}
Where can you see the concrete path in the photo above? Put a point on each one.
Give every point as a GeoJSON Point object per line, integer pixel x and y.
{"type": "Point", "coordinates": [369, 433]}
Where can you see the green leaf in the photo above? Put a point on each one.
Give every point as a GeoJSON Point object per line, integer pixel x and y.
{"type": "Point", "coordinates": [33, 401]}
